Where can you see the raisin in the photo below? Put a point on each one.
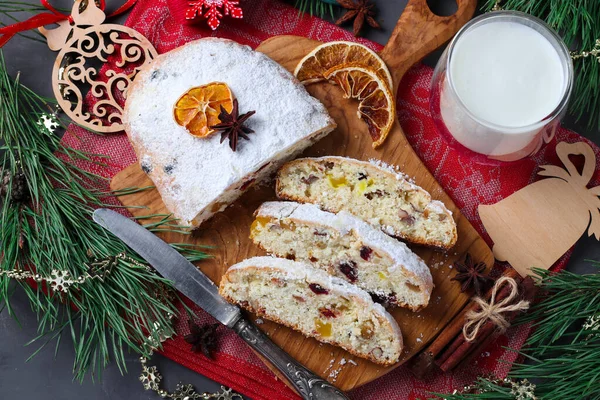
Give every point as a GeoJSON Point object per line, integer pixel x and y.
{"type": "Point", "coordinates": [313, 259]}
{"type": "Point", "coordinates": [318, 233]}
{"type": "Point", "coordinates": [299, 299]}
{"type": "Point", "coordinates": [348, 268]}
{"type": "Point", "coordinates": [328, 165]}
{"type": "Point", "coordinates": [309, 179]}
{"type": "Point", "coordinates": [291, 257]}
{"type": "Point", "coordinates": [247, 184]}
{"type": "Point", "coordinates": [365, 253]}
{"type": "Point", "coordinates": [327, 313]}
{"type": "Point", "coordinates": [318, 289]}
{"type": "Point", "coordinates": [362, 176]}
{"type": "Point", "coordinates": [377, 193]}
{"type": "Point", "coordinates": [383, 299]}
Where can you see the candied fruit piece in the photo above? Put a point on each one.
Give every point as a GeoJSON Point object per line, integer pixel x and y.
{"type": "Point", "coordinates": [322, 328]}
{"type": "Point", "coordinates": [337, 182]}
{"type": "Point", "coordinates": [382, 275]}
{"type": "Point", "coordinates": [258, 223]}
{"type": "Point", "coordinates": [363, 185]}
{"type": "Point", "coordinates": [367, 330]}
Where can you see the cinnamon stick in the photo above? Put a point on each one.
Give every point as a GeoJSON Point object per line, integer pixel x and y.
{"type": "Point", "coordinates": [528, 291]}
{"type": "Point", "coordinates": [453, 330]}
{"type": "Point", "coordinates": [459, 347]}
{"type": "Point", "coordinates": [464, 349]}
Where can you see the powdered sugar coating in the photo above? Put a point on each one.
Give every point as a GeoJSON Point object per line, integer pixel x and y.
{"type": "Point", "coordinates": [344, 222]}
{"type": "Point", "coordinates": [392, 169]}
{"type": "Point", "coordinates": [190, 172]}
{"type": "Point", "coordinates": [295, 270]}
{"type": "Point", "coordinates": [438, 207]}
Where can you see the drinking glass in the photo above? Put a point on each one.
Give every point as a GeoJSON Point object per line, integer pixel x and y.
{"type": "Point", "coordinates": [483, 140]}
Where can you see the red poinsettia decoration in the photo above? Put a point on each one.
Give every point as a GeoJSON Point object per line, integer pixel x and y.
{"type": "Point", "coordinates": [213, 10]}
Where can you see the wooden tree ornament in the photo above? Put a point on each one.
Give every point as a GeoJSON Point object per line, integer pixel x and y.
{"type": "Point", "coordinates": [85, 44]}
{"type": "Point", "coordinates": [535, 226]}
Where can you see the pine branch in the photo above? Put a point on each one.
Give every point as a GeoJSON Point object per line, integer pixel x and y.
{"type": "Point", "coordinates": [53, 231]}
{"type": "Point", "coordinates": [562, 356]}
{"type": "Point", "coordinates": [315, 7]}
{"type": "Point", "coordinates": [578, 22]}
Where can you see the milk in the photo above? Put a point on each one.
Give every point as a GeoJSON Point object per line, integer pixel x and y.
{"type": "Point", "coordinates": [503, 80]}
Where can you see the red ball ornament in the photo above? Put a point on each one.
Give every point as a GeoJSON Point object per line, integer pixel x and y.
{"type": "Point", "coordinates": [213, 11]}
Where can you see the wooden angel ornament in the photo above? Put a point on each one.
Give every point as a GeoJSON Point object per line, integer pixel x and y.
{"type": "Point", "coordinates": [535, 226]}
{"type": "Point", "coordinates": [85, 45]}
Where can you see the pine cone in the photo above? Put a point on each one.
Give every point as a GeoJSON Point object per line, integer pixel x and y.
{"type": "Point", "coordinates": [19, 192]}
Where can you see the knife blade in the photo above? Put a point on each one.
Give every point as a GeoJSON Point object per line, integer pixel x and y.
{"type": "Point", "coordinates": [192, 282]}
{"type": "Point", "coordinates": [186, 277]}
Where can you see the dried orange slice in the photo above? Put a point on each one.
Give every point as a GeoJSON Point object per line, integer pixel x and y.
{"type": "Point", "coordinates": [376, 105]}
{"type": "Point", "coordinates": [328, 55]}
{"type": "Point", "coordinates": [198, 109]}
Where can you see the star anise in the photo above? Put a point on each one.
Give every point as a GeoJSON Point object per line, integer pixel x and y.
{"type": "Point", "coordinates": [360, 12]}
{"type": "Point", "coordinates": [232, 125]}
{"type": "Point", "coordinates": [471, 275]}
{"type": "Point", "coordinates": [202, 338]}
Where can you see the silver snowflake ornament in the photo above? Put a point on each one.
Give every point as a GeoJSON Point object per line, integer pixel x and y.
{"type": "Point", "coordinates": [592, 323]}
{"type": "Point", "coordinates": [150, 378]}
{"type": "Point", "coordinates": [523, 390]}
{"type": "Point", "coordinates": [49, 122]}
{"type": "Point", "coordinates": [185, 392]}
{"type": "Point", "coordinates": [60, 281]}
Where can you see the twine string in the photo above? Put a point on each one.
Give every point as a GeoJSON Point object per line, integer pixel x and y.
{"type": "Point", "coordinates": [493, 311]}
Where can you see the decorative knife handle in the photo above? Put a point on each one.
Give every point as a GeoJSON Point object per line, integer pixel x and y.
{"type": "Point", "coordinates": [308, 385]}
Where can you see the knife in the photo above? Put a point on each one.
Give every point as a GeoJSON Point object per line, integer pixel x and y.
{"type": "Point", "coordinates": [192, 282]}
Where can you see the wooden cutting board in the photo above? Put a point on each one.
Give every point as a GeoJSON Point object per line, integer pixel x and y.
{"type": "Point", "coordinates": [417, 33]}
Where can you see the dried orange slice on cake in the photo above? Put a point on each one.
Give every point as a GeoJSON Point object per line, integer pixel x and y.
{"type": "Point", "coordinates": [328, 55]}
{"type": "Point", "coordinates": [376, 105]}
{"type": "Point", "coordinates": [198, 109]}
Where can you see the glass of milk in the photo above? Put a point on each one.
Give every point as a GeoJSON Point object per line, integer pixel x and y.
{"type": "Point", "coordinates": [501, 87]}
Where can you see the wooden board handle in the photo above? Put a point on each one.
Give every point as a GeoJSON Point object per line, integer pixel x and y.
{"type": "Point", "coordinates": [419, 32]}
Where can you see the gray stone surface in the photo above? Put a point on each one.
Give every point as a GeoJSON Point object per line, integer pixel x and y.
{"type": "Point", "coordinates": [49, 376]}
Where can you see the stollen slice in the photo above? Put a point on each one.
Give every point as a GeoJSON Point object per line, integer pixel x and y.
{"type": "Point", "coordinates": [347, 247]}
{"type": "Point", "coordinates": [318, 305]}
{"type": "Point", "coordinates": [373, 191]}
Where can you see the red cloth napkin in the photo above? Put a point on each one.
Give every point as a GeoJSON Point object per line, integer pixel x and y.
{"type": "Point", "coordinates": [469, 184]}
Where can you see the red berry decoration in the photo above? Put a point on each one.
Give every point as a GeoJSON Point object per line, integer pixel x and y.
{"type": "Point", "coordinates": [213, 10]}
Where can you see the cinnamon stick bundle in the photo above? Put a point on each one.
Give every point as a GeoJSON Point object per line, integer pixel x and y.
{"type": "Point", "coordinates": [451, 348]}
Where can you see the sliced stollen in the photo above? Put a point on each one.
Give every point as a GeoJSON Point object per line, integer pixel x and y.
{"type": "Point", "coordinates": [372, 191]}
{"type": "Point", "coordinates": [198, 177]}
{"type": "Point", "coordinates": [347, 247]}
{"type": "Point", "coordinates": [316, 304]}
